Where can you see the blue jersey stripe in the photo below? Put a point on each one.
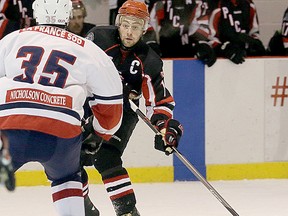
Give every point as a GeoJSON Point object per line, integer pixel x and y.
{"type": "Point", "coordinates": [115, 97]}
{"type": "Point", "coordinates": [39, 106]}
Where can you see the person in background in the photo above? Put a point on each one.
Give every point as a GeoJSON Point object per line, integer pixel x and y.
{"type": "Point", "coordinates": [77, 23]}
{"type": "Point", "coordinates": [13, 16]}
{"type": "Point", "coordinates": [46, 74]}
{"type": "Point", "coordinates": [202, 12]}
{"type": "Point", "coordinates": [234, 27]}
{"type": "Point", "coordinates": [278, 44]}
{"type": "Point", "coordinates": [141, 71]}
{"type": "Point", "coordinates": [179, 33]}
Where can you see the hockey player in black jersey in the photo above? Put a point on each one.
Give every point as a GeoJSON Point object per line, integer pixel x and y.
{"type": "Point", "coordinates": [179, 32]}
{"type": "Point", "coordinates": [278, 44]}
{"type": "Point", "coordinates": [142, 74]}
{"type": "Point", "coordinates": [15, 15]}
{"type": "Point", "coordinates": [235, 28]}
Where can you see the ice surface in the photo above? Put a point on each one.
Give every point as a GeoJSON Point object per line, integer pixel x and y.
{"type": "Point", "coordinates": [247, 197]}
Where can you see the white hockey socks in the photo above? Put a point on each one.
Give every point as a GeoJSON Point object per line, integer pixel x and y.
{"type": "Point", "coordinates": [68, 199]}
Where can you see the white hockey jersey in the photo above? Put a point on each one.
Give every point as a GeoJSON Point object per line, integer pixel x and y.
{"type": "Point", "coordinates": [46, 73]}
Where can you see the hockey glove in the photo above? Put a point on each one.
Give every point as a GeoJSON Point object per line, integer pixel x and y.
{"type": "Point", "coordinates": [91, 142]}
{"type": "Point", "coordinates": [255, 46]}
{"type": "Point", "coordinates": [7, 176]}
{"type": "Point", "coordinates": [205, 53]}
{"type": "Point", "coordinates": [130, 93]}
{"type": "Point", "coordinates": [171, 131]}
{"type": "Point", "coordinates": [233, 52]}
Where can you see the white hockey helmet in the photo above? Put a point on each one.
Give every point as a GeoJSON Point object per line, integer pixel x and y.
{"type": "Point", "coordinates": [52, 12]}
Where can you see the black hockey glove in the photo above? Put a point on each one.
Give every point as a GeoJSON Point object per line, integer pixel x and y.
{"type": "Point", "coordinates": [233, 52]}
{"type": "Point", "coordinates": [205, 53]}
{"type": "Point", "coordinates": [6, 170]}
{"type": "Point", "coordinates": [255, 46]}
{"type": "Point", "coordinates": [130, 93]}
{"type": "Point", "coordinates": [91, 142]}
{"type": "Point", "coordinates": [172, 131]}
{"type": "Point", "coordinates": [276, 46]}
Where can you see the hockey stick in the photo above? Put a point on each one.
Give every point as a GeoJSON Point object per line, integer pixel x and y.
{"type": "Point", "coordinates": [186, 162]}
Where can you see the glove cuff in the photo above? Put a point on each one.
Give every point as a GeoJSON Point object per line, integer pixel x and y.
{"type": "Point", "coordinates": [172, 123]}
{"type": "Point", "coordinates": [160, 124]}
{"type": "Point", "coordinates": [157, 117]}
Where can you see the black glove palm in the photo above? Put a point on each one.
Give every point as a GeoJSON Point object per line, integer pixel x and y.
{"type": "Point", "coordinates": [205, 53]}
{"type": "Point", "coordinates": [233, 52]}
{"type": "Point", "coordinates": [91, 142]}
{"type": "Point", "coordinates": [173, 131]}
{"type": "Point", "coordinates": [255, 46]}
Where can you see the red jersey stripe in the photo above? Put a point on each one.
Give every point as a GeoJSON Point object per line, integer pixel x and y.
{"type": "Point", "coordinates": [42, 124]}
{"type": "Point", "coordinates": [117, 196]}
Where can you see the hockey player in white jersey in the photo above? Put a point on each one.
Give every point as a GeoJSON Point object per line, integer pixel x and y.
{"type": "Point", "coordinates": [46, 73]}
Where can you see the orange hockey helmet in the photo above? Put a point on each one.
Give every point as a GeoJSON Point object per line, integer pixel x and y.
{"type": "Point", "coordinates": [134, 8]}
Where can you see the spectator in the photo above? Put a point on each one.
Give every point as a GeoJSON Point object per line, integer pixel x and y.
{"type": "Point", "coordinates": [278, 44]}
{"type": "Point", "coordinates": [46, 73]}
{"type": "Point", "coordinates": [77, 23]}
{"type": "Point", "coordinates": [235, 28]}
{"type": "Point", "coordinates": [179, 33]}
{"type": "Point", "coordinates": [141, 70]}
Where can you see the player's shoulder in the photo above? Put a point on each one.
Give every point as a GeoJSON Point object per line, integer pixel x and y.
{"type": "Point", "coordinates": [12, 36]}
{"type": "Point", "coordinates": [285, 16]}
{"type": "Point", "coordinates": [247, 3]}
{"type": "Point", "coordinates": [151, 60]}
{"type": "Point", "coordinates": [104, 36]}
{"type": "Point", "coordinates": [101, 32]}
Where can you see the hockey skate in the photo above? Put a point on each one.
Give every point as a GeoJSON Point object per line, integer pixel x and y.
{"type": "Point", "coordinates": [134, 212]}
{"type": "Point", "coordinates": [90, 209]}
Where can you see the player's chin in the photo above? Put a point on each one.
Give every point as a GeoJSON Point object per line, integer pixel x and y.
{"type": "Point", "coordinates": [129, 44]}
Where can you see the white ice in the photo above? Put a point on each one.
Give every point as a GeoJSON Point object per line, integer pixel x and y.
{"type": "Point", "coordinates": [246, 197]}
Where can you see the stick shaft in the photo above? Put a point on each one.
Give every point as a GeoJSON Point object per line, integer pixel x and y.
{"type": "Point", "coordinates": [186, 162]}
{"type": "Point", "coordinates": [204, 181]}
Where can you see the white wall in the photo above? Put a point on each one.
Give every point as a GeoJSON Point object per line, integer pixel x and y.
{"type": "Point", "coordinates": [97, 11]}
{"type": "Point", "coordinates": [234, 108]}
{"type": "Point", "coordinates": [243, 125]}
